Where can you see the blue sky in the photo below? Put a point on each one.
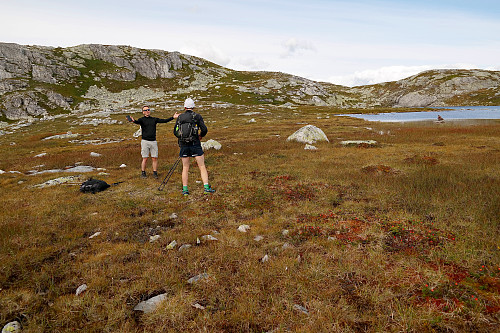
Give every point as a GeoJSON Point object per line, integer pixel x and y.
{"type": "Point", "coordinates": [344, 42]}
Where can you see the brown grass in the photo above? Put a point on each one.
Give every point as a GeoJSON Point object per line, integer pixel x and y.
{"type": "Point", "coordinates": [399, 238]}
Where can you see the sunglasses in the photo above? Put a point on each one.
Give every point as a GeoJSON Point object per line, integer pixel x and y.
{"type": "Point", "coordinates": [146, 110]}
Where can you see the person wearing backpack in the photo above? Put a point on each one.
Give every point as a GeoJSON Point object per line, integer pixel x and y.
{"type": "Point", "coordinates": [186, 130]}
{"type": "Point", "coordinates": [149, 145]}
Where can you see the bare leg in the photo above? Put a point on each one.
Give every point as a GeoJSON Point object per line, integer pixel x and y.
{"type": "Point", "coordinates": [185, 170]}
{"type": "Point", "coordinates": [143, 164]}
{"type": "Point", "coordinates": [155, 163]}
{"type": "Point", "coordinates": [203, 170]}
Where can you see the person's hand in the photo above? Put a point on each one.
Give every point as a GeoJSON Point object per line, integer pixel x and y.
{"type": "Point", "coordinates": [132, 119]}
{"type": "Point", "coordinates": [199, 135]}
{"type": "Point", "coordinates": [176, 115]}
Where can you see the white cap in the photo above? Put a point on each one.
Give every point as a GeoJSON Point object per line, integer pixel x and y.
{"type": "Point", "coordinates": [189, 103]}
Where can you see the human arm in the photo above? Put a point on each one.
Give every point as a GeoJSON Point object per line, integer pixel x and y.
{"type": "Point", "coordinates": [202, 126]}
{"type": "Point", "coordinates": [159, 120]}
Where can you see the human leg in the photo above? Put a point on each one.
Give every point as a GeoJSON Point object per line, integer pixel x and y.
{"type": "Point", "coordinates": [204, 174]}
{"type": "Point", "coordinates": [143, 164]}
{"type": "Point", "coordinates": [185, 170]}
{"type": "Point", "coordinates": [155, 163]}
{"type": "Point", "coordinates": [203, 169]}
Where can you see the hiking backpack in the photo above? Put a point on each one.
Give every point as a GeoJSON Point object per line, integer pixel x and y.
{"type": "Point", "coordinates": [186, 128]}
{"type": "Point", "coordinates": [93, 186]}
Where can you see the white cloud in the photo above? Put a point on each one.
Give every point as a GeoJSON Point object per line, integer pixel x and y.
{"type": "Point", "coordinates": [293, 46]}
{"type": "Point", "coordinates": [206, 51]}
{"type": "Point", "coordinates": [389, 73]}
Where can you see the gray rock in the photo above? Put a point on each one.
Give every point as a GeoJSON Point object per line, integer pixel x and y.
{"type": "Point", "coordinates": [58, 181]}
{"type": "Point", "coordinates": [12, 327]}
{"type": "Point", "coordinates": [154, 238]}
{"type": "Point", "coordinates": [211, 144]}
{"type": "Point", "coordinates": [151, 304]}
{"type": "Point", "coordinates": [184, 247]}
{"type": "Point", "coordinates": [309, 147]}
{"type": "Point", "coordinates": [68, 135]}
{"type": "Point", "coordinates": [357, 143]}
{"type": "Point", "coordinates": [300, 308]}
{"type": "Point", "coordinates": [197, 278]}
{"type": "Point", "coordinates": [243, 228]}
{"type": "Point", "coordinates": [308, 134]}
{"type": "Point", "coordinates": [80, 289]}
{"type": "Point", "coordinates": [172, 245]}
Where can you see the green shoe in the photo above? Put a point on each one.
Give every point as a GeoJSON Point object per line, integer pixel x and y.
{"type": "Point", "coordinates": [185, 192]}
{"type": "Point", "coordinates": [208, 190]}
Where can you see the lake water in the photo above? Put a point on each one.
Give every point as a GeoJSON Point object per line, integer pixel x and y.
{"type": "Point", "coordinates": [448, 113]}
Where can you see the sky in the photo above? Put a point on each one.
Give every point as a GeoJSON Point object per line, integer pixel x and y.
{"type": "Point", "coordinates": [350, 43]}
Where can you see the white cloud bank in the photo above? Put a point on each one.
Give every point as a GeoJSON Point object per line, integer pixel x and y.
{"type": "Point", "coordinates": [390, 73]}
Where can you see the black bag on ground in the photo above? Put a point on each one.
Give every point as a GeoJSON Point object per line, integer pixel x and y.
{"type": "Point", "coordinates": [93, 186]}
{"type": "Point", "coordinates": [186, 128]}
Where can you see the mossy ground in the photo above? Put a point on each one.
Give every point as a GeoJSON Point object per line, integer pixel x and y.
{"type": "Point", "coordinates": [399, 238]}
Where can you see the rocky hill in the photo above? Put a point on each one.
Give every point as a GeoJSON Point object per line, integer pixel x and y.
{"type": "Point", "coordinates": [37, 81]}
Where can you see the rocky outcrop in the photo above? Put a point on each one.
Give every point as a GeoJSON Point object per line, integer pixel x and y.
{"type": "Point", "coordinates": [436, 88]}
{"type": "Point", "coordinates": [39, 81]}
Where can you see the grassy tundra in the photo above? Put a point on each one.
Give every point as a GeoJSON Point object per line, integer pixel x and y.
{"type": "Point", "coordinates": [403, 237]}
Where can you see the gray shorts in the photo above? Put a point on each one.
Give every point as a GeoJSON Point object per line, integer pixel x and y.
{"type": "Point", "coordinates": [149, 148]}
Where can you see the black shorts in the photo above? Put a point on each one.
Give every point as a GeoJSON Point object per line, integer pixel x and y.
{"type": "Point", "coordinates": [191, 151]}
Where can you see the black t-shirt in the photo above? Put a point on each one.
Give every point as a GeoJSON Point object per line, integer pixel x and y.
{"type": "Point", "coordinates": [148, 126]}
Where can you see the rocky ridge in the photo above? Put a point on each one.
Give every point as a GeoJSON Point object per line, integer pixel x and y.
{"type": "Point", "coordinates": [38, 81]}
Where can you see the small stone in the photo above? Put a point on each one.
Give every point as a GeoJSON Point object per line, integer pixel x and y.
{"type": "Point", "coordinates": [123, 166]}
{"type": "Point", "coordinates": [81, 289]}
{"type": "Point", "coordinates": [287, 246]}
{"type": "Point", "coordinates": [301, 309]}
{"type": "Point", "coordinates": [243, 228]}
{"type": "Point", "coordinates": [198, 278]}
{"type": "Point", "coordinates": [184, 247]}
{"type": "Point", "coordinates": [198, 242]}
{"type": "Point", "coordinates": [258, 238]}
{"type": "Point", "coordinates": [309, 147]}
{"type": "Point", "coordinates": [154, 238]}
{"type": "Point", "coordinates": [95, 235]}
{"type": "Point", "coordinates": [151, 304]}
{"type": "Point", "coordinates": [95, 154]}
{"type": "Point", "coordinates": [198, 306]}
{"type": "Point", "coordinates": [173, 216]}
{"type": "Point", "coordinates": [359, 143]}
{"type": "Point", "coordinates": [265, 258]}
{"type": "Point", "coordinates": [285, 232]}
{"type": "Point", "coordinates": [209, 238]}
{"type": "Point", "coordinates": [12, 327]}
{"type": "Point", "coordinates": [172, 245]}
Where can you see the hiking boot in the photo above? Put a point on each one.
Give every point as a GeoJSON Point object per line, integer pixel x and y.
{"type": "Point", "coordinates": [143, 174]}
{"type": "Point", "coordinates": [185, 192]}
{"type": "Point", "coordinates": [155, 174]}
{"type": "Point", "coordinates": [208, 190]}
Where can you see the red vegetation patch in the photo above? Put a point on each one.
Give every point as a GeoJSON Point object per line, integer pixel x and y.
{"type": "Point", "coordinates": [429, 160]}
{"type": "Point", "coordinates": [297, 192]}
{"type": "Point", "coordinates": [306, 232]}
{"type": "Point", "coordinates": [378, 169]}
{"type": "Point", "coordinates": [411, 236]}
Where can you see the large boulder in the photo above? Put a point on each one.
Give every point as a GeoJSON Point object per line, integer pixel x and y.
{"type": "Point", "coordinates": [308, 134]}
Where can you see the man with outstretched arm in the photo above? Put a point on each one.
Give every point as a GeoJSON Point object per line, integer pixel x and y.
{"type": "Point", "coordinates": [192, 146]}
{"type": "Point", "coordinates": [149, 145]}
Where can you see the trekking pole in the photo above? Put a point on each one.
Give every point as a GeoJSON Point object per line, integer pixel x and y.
{"type": "Point", "coordinates": [169, 174]}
